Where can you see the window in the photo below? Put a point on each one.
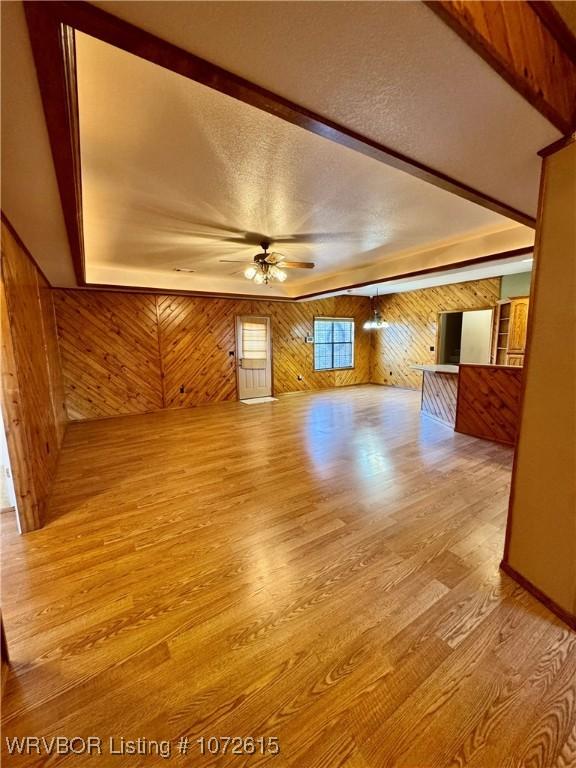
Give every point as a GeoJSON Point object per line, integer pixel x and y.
{"type": "Point", "coordinates": [333, 343]}
{"type": "Point", "coordinates": [254, 342]}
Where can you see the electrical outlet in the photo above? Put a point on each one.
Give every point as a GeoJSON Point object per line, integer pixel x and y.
{"type": "Point", "coordinates": [431, 349]}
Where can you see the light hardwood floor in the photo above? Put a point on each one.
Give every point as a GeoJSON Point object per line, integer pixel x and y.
{"type": "Point", "coordinates": [323, 569]}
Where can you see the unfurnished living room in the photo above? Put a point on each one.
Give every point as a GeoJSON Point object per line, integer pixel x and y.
{"type": "Point", "coordinates": [288, 324]}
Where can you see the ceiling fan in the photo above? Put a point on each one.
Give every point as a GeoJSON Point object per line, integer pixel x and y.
{"type": "Point", "coordinates": [267, 266]}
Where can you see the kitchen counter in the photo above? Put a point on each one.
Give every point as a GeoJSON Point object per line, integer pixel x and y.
{"type": "Point", "coordinates": [436, 368]}
{"type": "Point", "coordinates": [478, 400]}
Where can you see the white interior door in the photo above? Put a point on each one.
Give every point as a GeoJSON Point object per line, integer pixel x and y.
{"type": "Point", "coordinates": [476, 336]}
{"type": "Point", "coordinates": [254, 352]}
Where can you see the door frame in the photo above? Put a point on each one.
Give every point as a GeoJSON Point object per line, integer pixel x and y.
{"type": "Point", "coordinates": [236, 351]}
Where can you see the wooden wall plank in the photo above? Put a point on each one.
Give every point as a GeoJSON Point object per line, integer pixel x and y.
{"type": "Point", "coordinates": [134, 353]}
{"type": "Point", "coordinates": [15, 426]}
{"type": "Point", "coordinates": [489, 402]}
{"type": "Point", "coordinates": [109, 350]}
{"type": "Point", "coordinates": [439, 393]}
{"type": "Point", "coordinates": [413, 320]}
{"type": "Point", "coordinates": [54, 364]}
{"type": "Point", "coordinates": [31, 380]}
{"type": "Point", "coordinates": [196, 337]}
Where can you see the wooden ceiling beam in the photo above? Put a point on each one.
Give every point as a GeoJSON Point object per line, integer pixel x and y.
{"type": "Point", "coordinates": [55, 60]}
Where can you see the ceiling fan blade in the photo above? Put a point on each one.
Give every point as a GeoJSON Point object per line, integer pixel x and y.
{"type": "Point", "coordinates": [233, 261]}
{"type": "Point", "coordinates": [297, 264]}
{"type": "Point", "coordinates": [274, 258]}
{"type": "Point", "coordinates": [317, 237]}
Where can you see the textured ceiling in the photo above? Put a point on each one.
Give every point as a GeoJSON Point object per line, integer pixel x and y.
{"type": "Point", "coordinates": [171, 169]}
{"type": "Point", "coordinates": [393, 71]}
{"type": "Point", "coordinates": [29, 191]}
{"type": "Point", "coordinates": [390, 70]}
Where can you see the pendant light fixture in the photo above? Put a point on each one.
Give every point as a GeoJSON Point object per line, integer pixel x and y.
{"type": "Point", "coordinates": [376, 321]}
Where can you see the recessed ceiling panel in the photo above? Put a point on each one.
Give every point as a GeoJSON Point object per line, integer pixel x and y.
{"type": "Point", "coordinates": [393, 71]}
{"type": "Point", "coordinates": [179, 176]}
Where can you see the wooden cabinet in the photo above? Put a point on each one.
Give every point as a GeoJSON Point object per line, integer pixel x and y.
{"type": "Point", "coordinates": [518, 325]}
{"type": "Point", "coordinates": [509, 336]}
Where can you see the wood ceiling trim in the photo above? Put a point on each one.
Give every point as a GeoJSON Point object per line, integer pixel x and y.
{"type": "Point", "coordinates": [50, 26]}
{"type": "Point", "coordinates": [176, 292]}
{"type": "Point", "coordinates": [55, 59]}
{"type": "Point", "coordinates": [556, 146]}
{"type": "Point", "coordinates": [529, 46]}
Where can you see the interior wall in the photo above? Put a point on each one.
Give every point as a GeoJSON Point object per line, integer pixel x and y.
{"type": "Point", "coordinates": [410, 337]}
{"type": "Point", "coordinates": [515, 285]}
{"type": "Point", "coordinates": [542, 522]}
{"type": "Point", "coordinates": [476, 338]}
{"type": "Point", "coordinates": [134, 353]}
{"type": "Point", "coordinates": [32, 389]}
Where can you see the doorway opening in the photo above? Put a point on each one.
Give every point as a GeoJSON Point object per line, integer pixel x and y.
{"type": "Point", "coordinates": [465, 337]}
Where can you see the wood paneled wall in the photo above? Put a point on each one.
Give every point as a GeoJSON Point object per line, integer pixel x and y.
{"type": "Point", "coordinates": [32, 389]}
{"type": "Point", "coordinates": [439, 394]}
{"type": "Point", "coordinates": [413, 320]}
{"type": "Point", "coordinates": [133, 353]}
{"type": "Point", "coordinates": [109, 350]}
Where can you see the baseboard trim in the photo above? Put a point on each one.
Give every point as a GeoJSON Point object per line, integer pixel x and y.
{"type": "Point", "coordinates": [567, 617]}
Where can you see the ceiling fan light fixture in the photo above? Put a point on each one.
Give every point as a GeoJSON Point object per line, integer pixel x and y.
{"type": "Point", "coordinates": [269, 266]}
{"type": "Point", "coordinates": [276, 274]}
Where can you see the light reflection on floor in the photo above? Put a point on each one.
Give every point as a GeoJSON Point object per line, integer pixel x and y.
{"type": "Point", "coordinates": [330, 415]}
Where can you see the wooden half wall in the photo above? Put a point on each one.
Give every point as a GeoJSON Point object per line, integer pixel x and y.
{"type": "Point", "coordinates": [413, 321]}
{"type": "Point", "coordinates": [128, 353]}
{"type": "Point", "coordinates": [488, 404]}
{"type": "Point", "coordinates": [32, 389]}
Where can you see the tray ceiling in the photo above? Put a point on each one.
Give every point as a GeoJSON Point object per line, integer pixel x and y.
{"type": "Point", "coordinates": [392, 71]}
{"type": "Point", "coordinates": [172, 170]}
